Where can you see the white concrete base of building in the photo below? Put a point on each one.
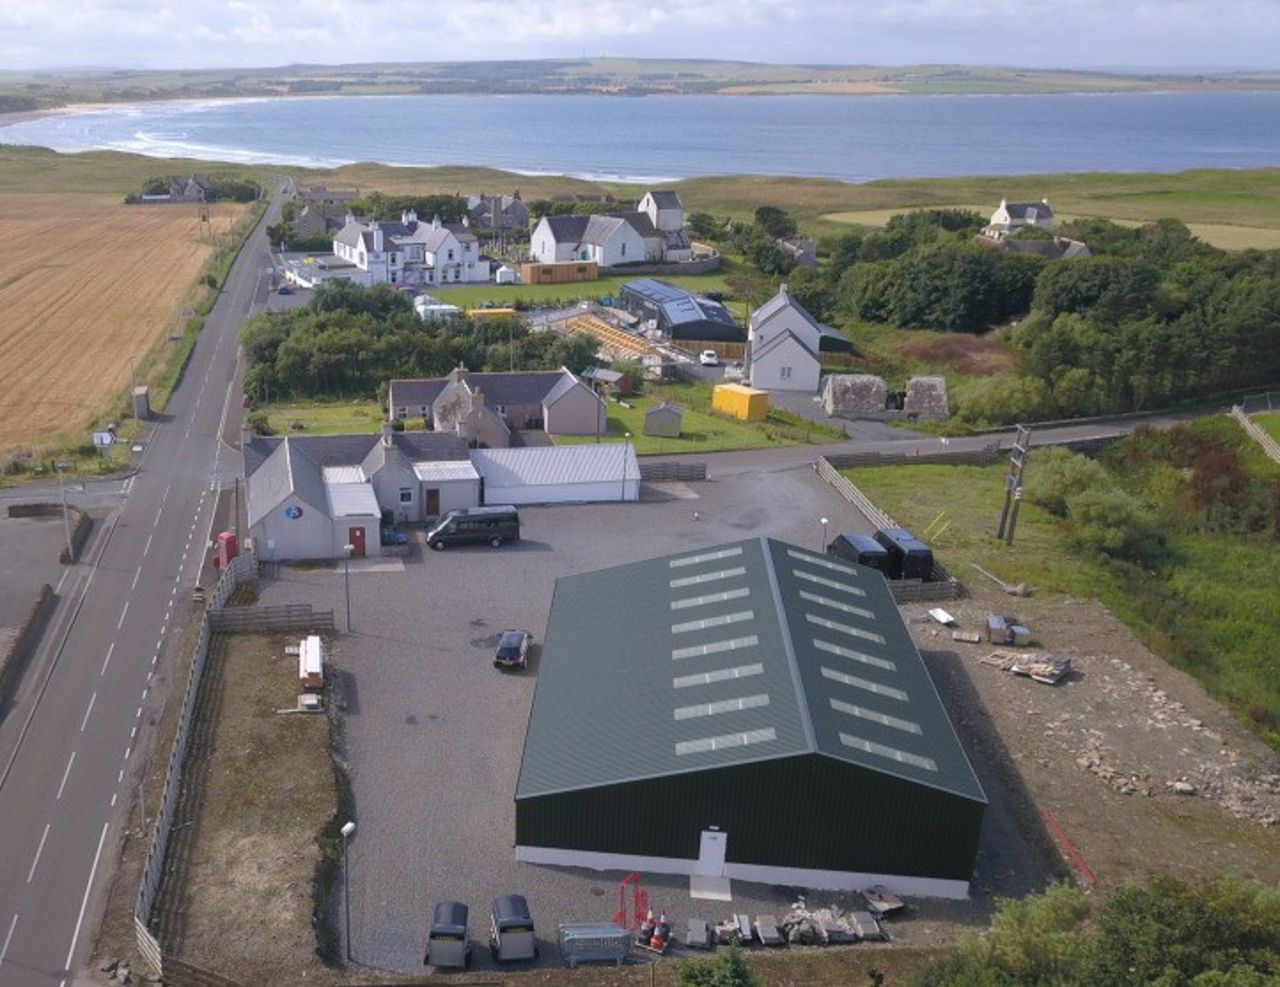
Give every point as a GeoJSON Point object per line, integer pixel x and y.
{"type": "Point", "coordinates": [832, 880]}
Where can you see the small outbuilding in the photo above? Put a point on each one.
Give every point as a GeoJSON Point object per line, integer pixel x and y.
{"type": "Point", "coordinates": [755, 711]}
{"type": "Point", "coordinates": [747, 403]}
{"type": "Point", "coordinates": [664, 420]}
{"type": "Point", "coordinates": [926, 398]}
{"type": "Point", "coordinates": [854, 395]}
{"type": "Point", "coordinates": [559, 474]}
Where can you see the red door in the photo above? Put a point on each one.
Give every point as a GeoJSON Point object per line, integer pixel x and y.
{"type": "Point", "coordinates": [355, 537]}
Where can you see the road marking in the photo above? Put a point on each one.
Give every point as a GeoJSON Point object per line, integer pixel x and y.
{"type": "Point", "coordinates": [153, 659]}
{"type": "Point", "coordinates": [107, 661]}
{"type": "Point", "coordinates": [136, 576]}
{"type": "Point", "coordinates": [127, 751]}
{"type": "Point", "coordinates": [70, 761]}
{"type": "Point", "coordinates": [4, 950]}
{"type": "Point", "coordinates": [120, 776]}
{"type": "Point", "coordinates": [133, 733]}
{"type": "Point", "coordinates": [144, 695]}
{"type": "Point", "coordinates": [39, 850]}
{"type": "Point", "coordinates": [139, 713]}
{"type": "Point", "coordinates": [165, 496]}
{"type": "Point", "coordinates": [147, 548]}
{"type": "Point", "coordinates": [84, 902]}
{"type": "Point", "coordinates": [113, 799]}
{"type": "Point", "coordinates": [122, 613]}
{"type": "Point", "coordinates": [159, 642]}
{"type": "Point", "coordinates": [85, 721]}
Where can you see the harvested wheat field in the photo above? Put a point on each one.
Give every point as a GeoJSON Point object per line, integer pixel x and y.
{"type": "Point", "coordinates": [87, 287]}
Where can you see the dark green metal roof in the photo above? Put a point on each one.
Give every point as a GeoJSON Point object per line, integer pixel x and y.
{"type": "Point", "coordinates": [732, 654]}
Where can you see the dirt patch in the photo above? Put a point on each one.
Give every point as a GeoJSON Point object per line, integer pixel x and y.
{"type": "Point", "coordinates": [963, 353]}
{"type": "Point", "coordinates": [88, 285]}
{"type": "Point", "coordinates": [267, 792]}
{"type": "Point", "coordinates": [1104, 750]}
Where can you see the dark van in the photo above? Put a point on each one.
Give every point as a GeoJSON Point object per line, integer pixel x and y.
{"type": "Point", "coordinates": [862, 549]}
{"type": "Point", "coordinates": [475, 525]}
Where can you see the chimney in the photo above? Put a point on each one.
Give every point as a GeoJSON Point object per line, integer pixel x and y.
{"type": "Point", "coordinates": [408, 216]}
{"type": "Point", "coordinates": [377, 237]}
{"type": "Point", "coordinates": [435, 222]}
{"type": "Point", "coordinates": [477, 398]}
{"type": "Point", "coordinates": [388, 432]}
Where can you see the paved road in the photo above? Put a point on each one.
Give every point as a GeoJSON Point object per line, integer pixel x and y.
{"type": "Point", "coordinates": [70, 742]}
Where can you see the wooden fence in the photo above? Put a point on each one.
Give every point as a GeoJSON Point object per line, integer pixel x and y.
{"type": "Point", "coordinates": [669, 472]}
{"type": "Point", "coordinates": [988, 454]}
{"type": "Point", "coordinates": [291, 617]}
{"type": "Point", "coordinates": [1257, 433]}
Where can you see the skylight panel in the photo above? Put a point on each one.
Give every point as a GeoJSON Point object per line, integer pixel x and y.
{"type": "Point", "coordinates": [698, 601]}
{"type": "Point", "coordinates": [715, 647]}
{"type": "Point", "coordinates": [717, 621]}
{"type": "Point", "coordinates": [725, 741]}
{"type": "Point", "coordinates": [826, 601]}
{"type": "Point", "coordinates": [707, 577]}
{"type": "Point", "coordinates": [870, 714]}
{"type": "Point", "coordinates": [845, 628]}
{"type": "Point", "coordinates": [722, 706]}
{"type": "Point", "coordinates": [889, 753]}
{"type": "Point", "coordinates": [835, 649]}
{"type": "Point", "coordinates": [724, 553]}
{"type": "Point", "coordinates": [820, 561]}
{"type": "Point", "coordinates": [719, 675]}
{"type": "Point", "coordinates": [865, 684]}
{"type": "Point", "coordinates": [829, 583]}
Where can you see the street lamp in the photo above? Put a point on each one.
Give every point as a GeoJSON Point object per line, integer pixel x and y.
{"type": "Point", "coordinates": [66, 522]}
{"type": "Point", "coordinates": [348, 829]}
{"type": "Point", "coordinates": [346, 578]}
{"type": "Point", "coordinates": [626, 438]}
{"type": "Point", "coordinates": [823, 546]}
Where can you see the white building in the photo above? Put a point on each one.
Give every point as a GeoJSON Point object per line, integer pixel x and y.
{"type": "Point", "coordinates": [559, 474]}
{"type": "Point", "coordinates": [410, 252]}
{"type": "Point", "coordinates": [1010, 217]}
{"type": "Point", "coordinates": [653, 233]}
{"type": "Point", "coordinates": [783, 346]}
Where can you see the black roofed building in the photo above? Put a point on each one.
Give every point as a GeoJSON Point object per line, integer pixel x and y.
{"type": "Point", "coordinates": [756, 711]}
{"type": "Point", "coordinates": [678, 313]}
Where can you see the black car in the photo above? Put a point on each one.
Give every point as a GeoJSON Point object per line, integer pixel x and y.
{"type": "Point", "coordinates": [513, 649]}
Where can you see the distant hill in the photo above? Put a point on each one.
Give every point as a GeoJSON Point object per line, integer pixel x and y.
{"type": "Point", "coordinates": [28, 91]}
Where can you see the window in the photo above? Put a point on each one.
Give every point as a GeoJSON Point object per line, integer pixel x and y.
{"type": "Point", "coordinates": [784, 373]}
{"type": "Point", "coordinates": [451, 255]}
{"type": "Point", "coordinates": [406, 495]}
{"type": "Point", "coordinates": [624, 250]}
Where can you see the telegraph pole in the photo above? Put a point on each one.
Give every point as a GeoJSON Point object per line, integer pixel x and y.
{"type": "Point", "coordinates": [1013, 484]}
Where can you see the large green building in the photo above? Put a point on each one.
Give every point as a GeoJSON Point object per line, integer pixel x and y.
{"type": "Point", "coordinates": [753, 711]}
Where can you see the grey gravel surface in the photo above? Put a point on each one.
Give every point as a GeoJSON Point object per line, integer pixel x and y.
{"type": "Point", "coordinates": [28, 557]}
{"type": "Point", "coordinates": [434, 733]}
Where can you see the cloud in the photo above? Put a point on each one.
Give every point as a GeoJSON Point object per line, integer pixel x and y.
{"type": "Point", "coordinates": [1068, 33]}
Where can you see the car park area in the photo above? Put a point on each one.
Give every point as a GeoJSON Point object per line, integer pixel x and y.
{"type": "Point", "coordinates": [434, 733]}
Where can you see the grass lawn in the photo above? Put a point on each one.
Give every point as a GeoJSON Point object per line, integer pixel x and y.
{"type": "Point", "coordinates": [1270, 423]}
{"type": "Point", "coordinates": [703, 430]}
{"type": "Point", "coordinates": [475, 296]}
{"type": "Point", "coordinates": [326, 417]}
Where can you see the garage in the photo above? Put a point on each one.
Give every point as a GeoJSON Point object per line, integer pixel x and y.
{"type": "Point", "coordinates": [558, 474]}
{"type": "Point", "coordinates": [760, 713]}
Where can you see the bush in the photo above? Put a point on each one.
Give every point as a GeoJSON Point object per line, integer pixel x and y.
{"type": "Point", "coordinates": [1056, 475]}
{"type": "Point", "coordinates": [1002, 400]}
{"type": "Point", "coordinates": [1112, 523]}
{"type": "Point", "coordinates": [257, 420]}
{"type": "Point", "coordinates": [729, 969]}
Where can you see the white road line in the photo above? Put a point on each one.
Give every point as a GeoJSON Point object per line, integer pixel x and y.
{"type": "Point", "coordinates": [4, 950]}
{"type": "Point", "coordinates": [120, 623]}
{"type": "Point", "coordinates": [85, 721]}
{"type": "Point", "coordinates": [159, 642]}
{"type": "Point", "coordinates": [120, 776]}
{"type": "Point", "coordinates": [144, 695]}
{"type": "Point", "coordinates": [113, 799]}
{"type": "Point", "coordinates": [39, 850]}
{"type": "Point", "coordinates": [136, 576]}
{"type": "Point", "coordinates": [139, 712]}
{"type": "Point", "coordinates": [65, 572]}
{"type": "Point", "coordinates": [133, 733]}
{"type": "Point", "coordinates": [84, 902]}
{"type": "Point", "coordinates": [153, 659]}
{"type": "Point", "coordinates": [147, 547]}
{"type": "Point", "coordinates": [165, 496]}
{"type": "Point", "coordinates": [70, 761]}
{"type": "Point", "coordinates": [127, 751]}
{"type": "Point", "coordinates": [107, 660]}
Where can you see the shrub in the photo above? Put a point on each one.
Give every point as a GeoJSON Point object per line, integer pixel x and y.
{"type": "Point", "coordinates": [1114, 524]}
{"type": "Point", "coordinates": [1002, 400]}
{"type": "Point", "coordinates": [729, 969]}
{"type": "Point", "coordinates": [1056, 475]}
{"type": "Point", "coordinates": [257, 420]}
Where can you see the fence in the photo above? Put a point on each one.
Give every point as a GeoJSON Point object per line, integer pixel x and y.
{"type": "Point", "coordinates": [988, 454]}
{"type": "Point", "coordinates": [943, 585]}
{"type": "Point", "coordinates": [724, 350]}
{"type": "Point", "coordinates": [1257, 433]}
{"type": "Point", "coordinates": [669, 472]}
{"type": "Point", "coordinates": [1254, 404]}
{"type": "Point", "coordinates": [292, 617]}
{"type": "Point", "coordinates": [242, 569]}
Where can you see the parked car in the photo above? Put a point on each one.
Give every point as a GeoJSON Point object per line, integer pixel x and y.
{"type": "Point", "coordinates": [476, 525]}
{"type": "Point", "coordinates": [513, 649]}
{"type": "Point", "coordinates": [709, 358]}
{"type": "Point", "coordinates": [284, 289]}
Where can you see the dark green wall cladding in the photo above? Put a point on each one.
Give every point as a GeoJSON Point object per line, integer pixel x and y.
{"type": "Point", "coordinates": [807, 811]}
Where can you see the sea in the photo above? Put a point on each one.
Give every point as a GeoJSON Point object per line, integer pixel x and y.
{"type": "Point", "coordinates": [661, 137]}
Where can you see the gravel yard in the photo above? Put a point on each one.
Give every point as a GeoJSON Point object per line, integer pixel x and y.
{"type": "Point", "coordinates": [435, 734]}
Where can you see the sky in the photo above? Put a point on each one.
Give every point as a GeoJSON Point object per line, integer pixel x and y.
{"type": "Point", "coordinates": [1185, 35]}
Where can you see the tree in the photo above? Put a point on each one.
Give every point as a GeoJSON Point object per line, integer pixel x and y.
{"type": "Point", "coordinates": [1059, 474]}
{"type": "Point", "coordinates": [704, 224]}
{"type": "Point", "coordinates": [1114, 524]}
{"type": "Point", "coordinates": [775, 222]}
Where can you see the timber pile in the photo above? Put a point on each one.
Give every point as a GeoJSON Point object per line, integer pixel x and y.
{"type": "Point", "coordinates": [1049, 668]}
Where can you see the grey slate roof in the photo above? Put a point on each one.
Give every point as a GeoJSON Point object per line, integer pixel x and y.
{"type": "Point", "coordinates": [666, 198]}
{"type": "Point", "coordinates": [1037, 210]}
{"type": "Point", "coordinates": [738, 653]}
{"type": "Point", "coordinates": [499, 388]}
{"type": "Point", "coordinates": [567, 229]}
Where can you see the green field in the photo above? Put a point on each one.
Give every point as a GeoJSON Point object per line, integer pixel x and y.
{"type": "Point", "coordinates": [541, 294]}
{"type": "Point", "coordinates": [1270, 423]}
{"type": "Point", "coordinates": [325, 417]}
{"type": "Point", "coordinates": [703, 430]}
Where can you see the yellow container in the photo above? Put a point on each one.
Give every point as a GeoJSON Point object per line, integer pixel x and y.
{"type": "Point", "coordinates": [742, 402]}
